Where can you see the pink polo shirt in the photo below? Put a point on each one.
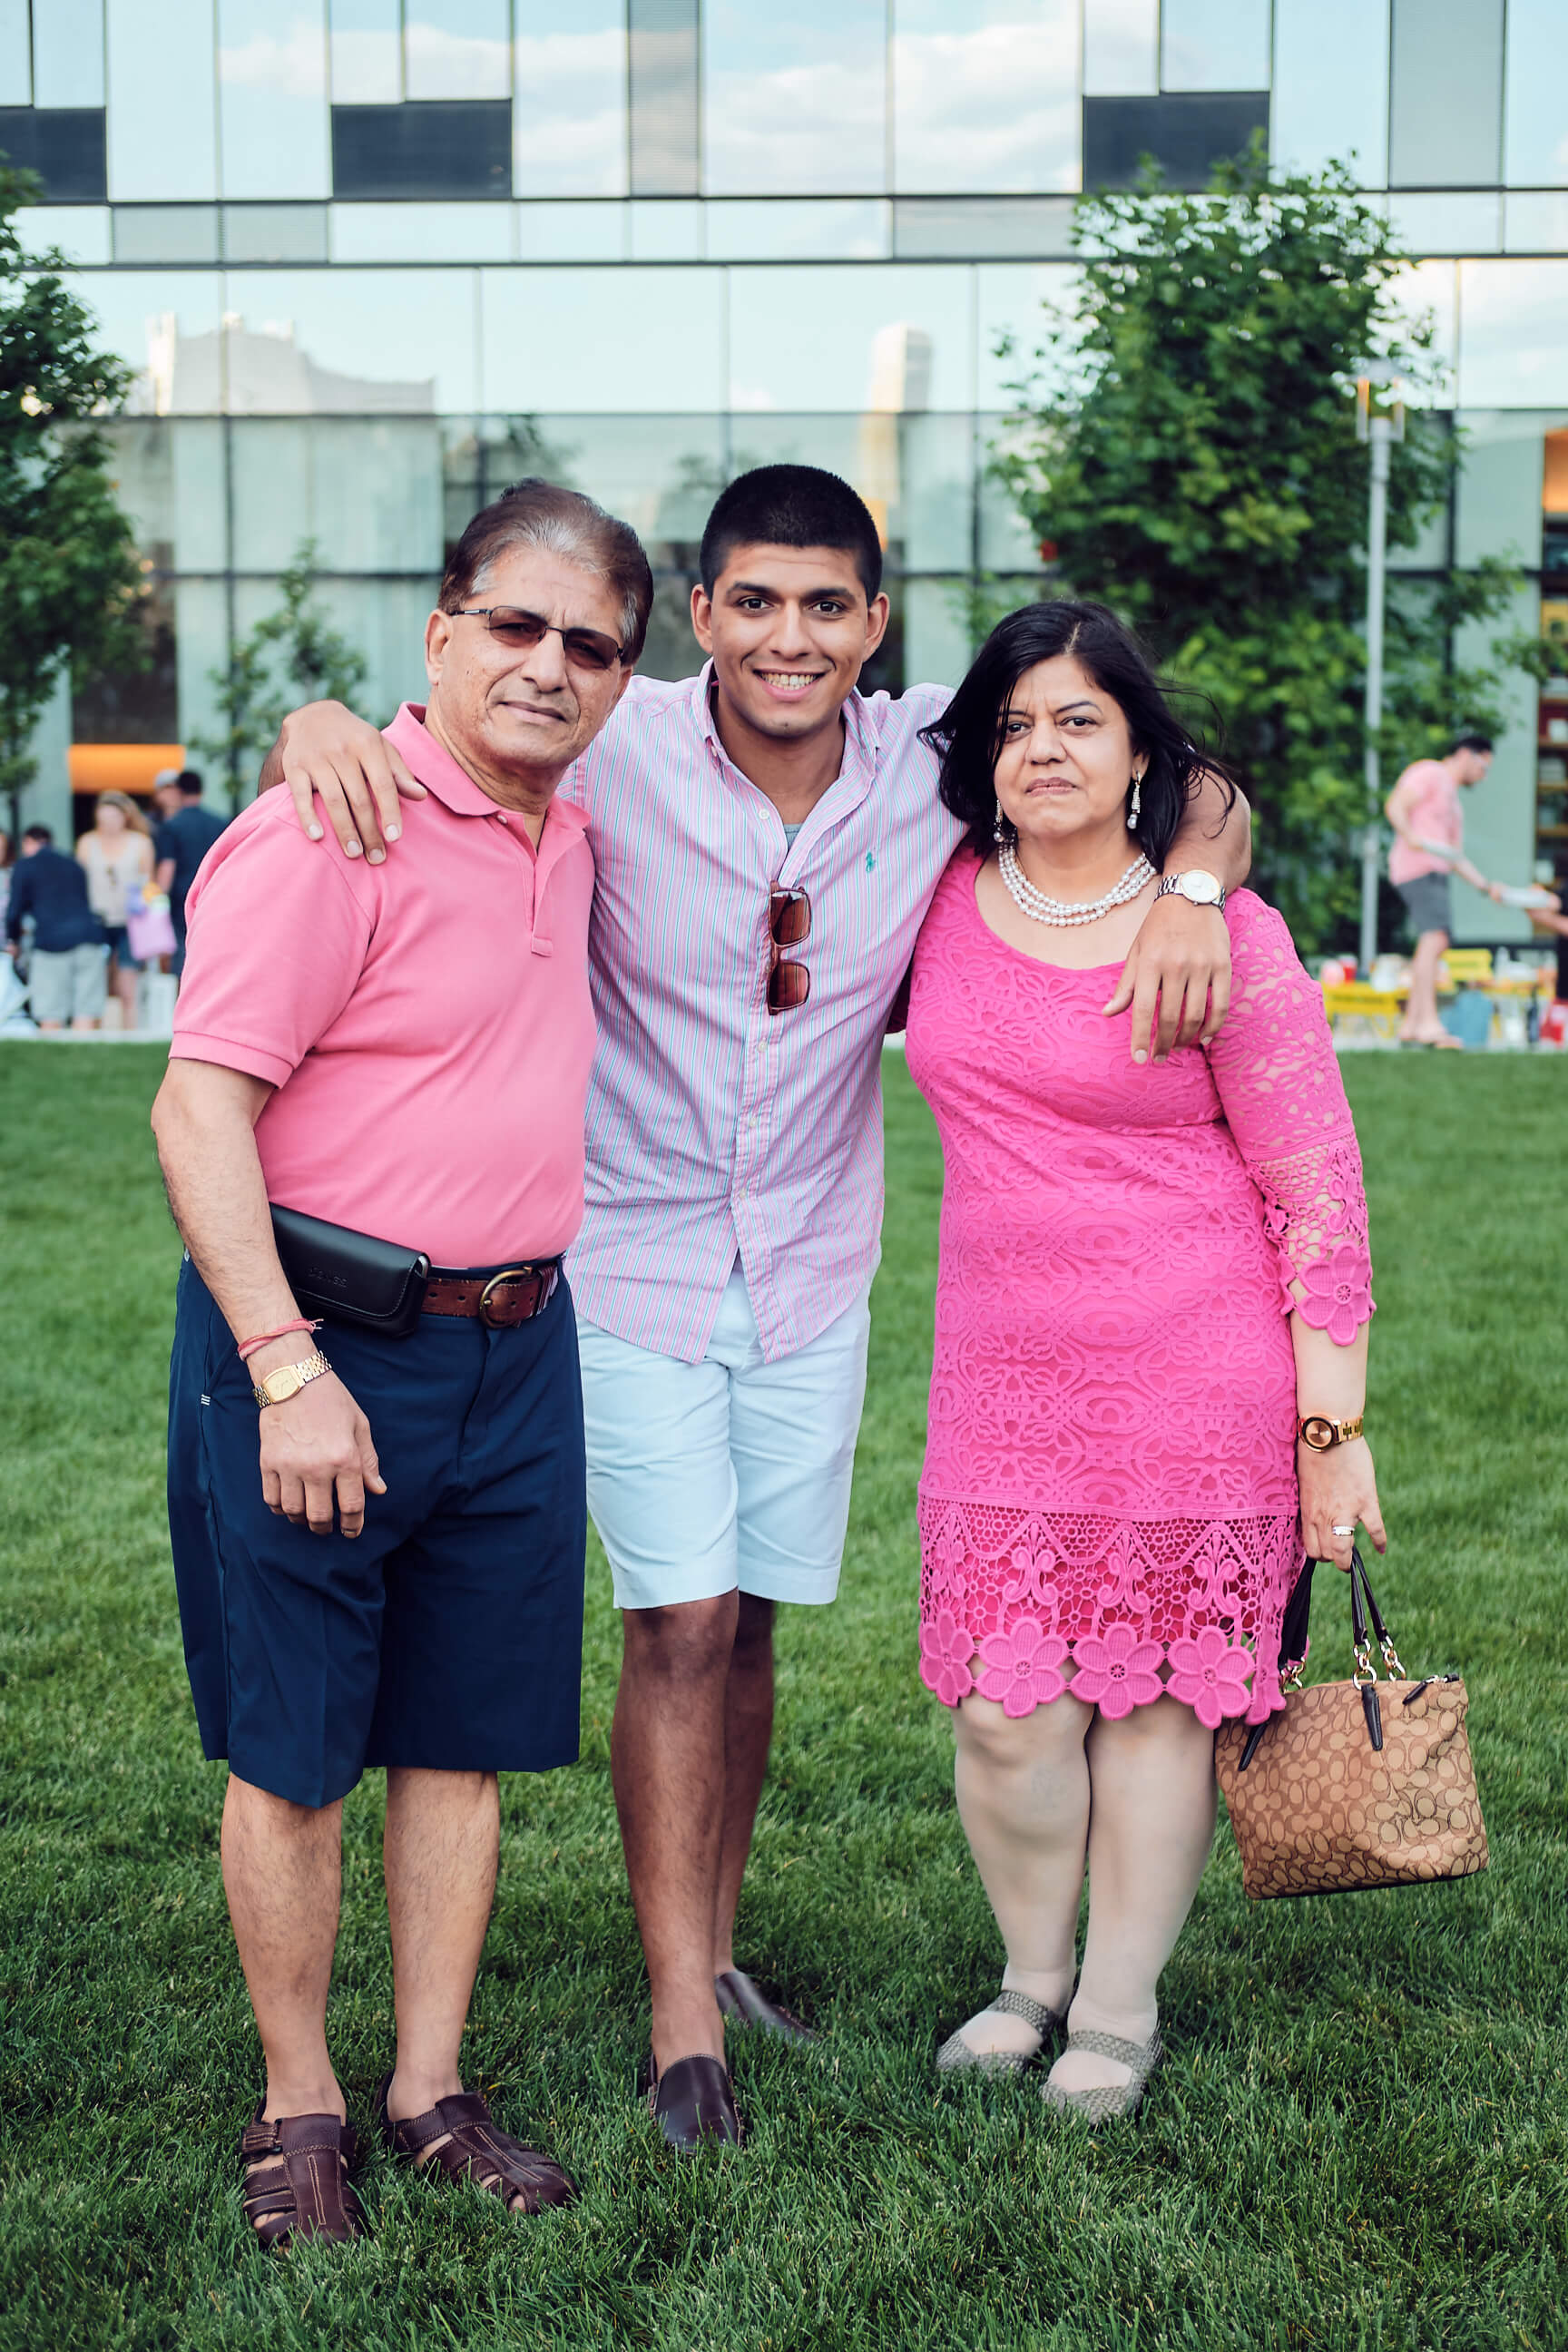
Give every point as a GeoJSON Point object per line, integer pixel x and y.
{"type": "Point", "coordinates": [1436, 814]}
{"type": "Point", "coordinates": [426, 1022]}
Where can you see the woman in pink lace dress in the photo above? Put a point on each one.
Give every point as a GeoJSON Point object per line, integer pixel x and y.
{"type": "Point", "coordinates": [1148, 1271]}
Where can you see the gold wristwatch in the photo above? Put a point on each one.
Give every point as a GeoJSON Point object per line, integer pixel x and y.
{"type": "Point", "coordinates": [1316, 1430]}
{"type": "Point", "coordinates": [277, 1387]}
{"type": "Point", "coordinates": [1198, 888]}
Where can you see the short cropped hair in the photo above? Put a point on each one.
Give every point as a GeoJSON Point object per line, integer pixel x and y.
{"type": "Point", "coordinates": [42, 833]}
{"type": "Point", "coordinates": [792, 506]}
{"type": "Point", "coordinates": [968, 735]}
{"type": "Point", "coordinates": [189, 781]}
{"type": "Point", "coordinates": [534, 513]}
{"type": "Point", "coordinates": [1471, 743]}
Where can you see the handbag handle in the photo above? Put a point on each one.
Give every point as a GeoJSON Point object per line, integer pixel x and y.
{"type": "Point", "coordinates": [1367, 1624]}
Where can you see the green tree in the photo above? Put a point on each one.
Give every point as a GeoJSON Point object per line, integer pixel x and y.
{"type": "Point", "coordinates": [1187, 448]}
{"type": "Point", "coordinates": [291, 656]}
{"type": "Point", "coordinates": [71, 580]}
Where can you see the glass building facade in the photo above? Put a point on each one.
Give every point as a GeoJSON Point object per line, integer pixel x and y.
{"type": "Point", "coordinates": [372, 258]}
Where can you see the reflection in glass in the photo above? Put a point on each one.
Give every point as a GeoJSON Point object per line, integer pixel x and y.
{"type": "Point", "coordinates": [1120, 49]}
{"type": "Point", "coordinates": [1513, 347]}
{"type": "Point", "coordinates": [937, 227]}
{"type": "Point", "coordinates": [1536, 223]}
{"type": "Point", "coordinates": [794, 104]}
{"type": "Point", "coordinates": [456, 48]}
{"type": "Point", "coordinates": [585, 232]}
{"type": "Point", "coordinates": [366, 52]}
{"type": "Point", "coordinates": [1017, 302]}
{"type": "Point", "coordinates": [166, 232]}
{"type": "Point", "coordinates": [569, 101]}
{"type": "Point", "coordinates": [275, 232]}
{"type": "Point", "coordinates": [826, 228]}
{"type": "Point", "coordinates": [1445, 119]}
{"type": "Point", "coordinates": [936, 632]}
{"type": "Point", "coordinates": [201, 646]}
{"type": "Point", "coordinates": [1535, 132]}
{"type": "Point", "coordinates": [663, 134]}
{"type": "Point", "coordinates": [1430, 290]}
{"type": "Point", "coordinates": [367, 491]}
{"type": "Point", "coordinates": [602, 340]}
{"type": "Point", "coordinates": [1448, 220]}
{"type": "Point", "coordinates": [68, 52]}
{"type": "Point", "coordinates": [424, 232]}
{"type": "Point", "coordinates": [934, 523]}
{"type": "Point", "coordinates": [1214, 45]}
{"type": "Point", "coordinates": [356, 342]}
{"type": "Point", "coordinates": [1330, 86]}
{"type": "Point", "coordinates": [163, 101]}
{"type": "Point", "coordinates": [1496, 494]}
{"type": "Point", "coordinates": [80, 231]}
{"type": "Point", "coordinates": [985, 94]}
{"type": "Point", "coordinates": [142, 315]}
{"type": "Point", "coordinates": [823, 337]}
{"type": "Point", "coordinates": [15, 55]}
{"type": "Point", "coordinates": [272, 98]}
{"type": "Point", "coordinates": [663, 229]}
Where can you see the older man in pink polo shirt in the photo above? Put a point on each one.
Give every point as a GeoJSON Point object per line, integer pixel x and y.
{"type": "Point", "coordinates": [373, 1126]}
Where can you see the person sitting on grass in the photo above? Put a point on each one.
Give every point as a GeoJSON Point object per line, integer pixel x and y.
{"type": "Point", "coordinates": [402, 1052]}
{"type": "Point", "coordinates": [1123, 1455]}
{"type": "Point", "coordinates": [1428, 821]}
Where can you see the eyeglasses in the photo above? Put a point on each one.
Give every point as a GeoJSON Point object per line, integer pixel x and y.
{"type": "Point", "coordinates": [789, 922]}
{"type": "Point", "coordinates": [584, 649]}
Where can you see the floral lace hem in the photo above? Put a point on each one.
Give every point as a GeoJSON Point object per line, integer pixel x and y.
{"type": "Point", "coordinates": [1022, 1605]}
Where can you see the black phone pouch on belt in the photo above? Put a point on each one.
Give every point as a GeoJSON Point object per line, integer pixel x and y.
{"type": "Point", "coordinates": [351, 1277]}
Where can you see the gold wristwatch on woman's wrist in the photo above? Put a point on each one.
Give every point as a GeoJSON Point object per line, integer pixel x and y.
{"type": "Point", "coordinates": [1316, 1430]}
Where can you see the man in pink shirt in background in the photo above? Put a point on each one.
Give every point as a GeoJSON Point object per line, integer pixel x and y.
{"type": "Point", "coordinates": [374, 1111]}
{"type": "Point", "coordinates": [1428, 821]}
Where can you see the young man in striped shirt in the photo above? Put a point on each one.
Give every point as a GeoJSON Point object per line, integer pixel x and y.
{"type": "Point", "coordinates": [766, 841]}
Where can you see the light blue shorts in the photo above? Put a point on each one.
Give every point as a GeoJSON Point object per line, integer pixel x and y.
{"type": "Point", "coordinates": [728, 1472]}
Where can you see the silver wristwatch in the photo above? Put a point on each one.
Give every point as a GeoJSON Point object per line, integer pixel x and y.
{"type": "Point", "coordinates": [1200, 889]}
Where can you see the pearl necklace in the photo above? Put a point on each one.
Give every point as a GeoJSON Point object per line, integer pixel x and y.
{"type": "Point", "coordinates": [1043, 909]}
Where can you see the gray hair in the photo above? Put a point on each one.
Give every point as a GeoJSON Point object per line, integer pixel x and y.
{"type": "Point", "coordinates": [562, 523]}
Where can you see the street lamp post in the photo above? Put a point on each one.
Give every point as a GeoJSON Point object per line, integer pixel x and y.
{"type": "Point", "coordinates": [1380, 430]}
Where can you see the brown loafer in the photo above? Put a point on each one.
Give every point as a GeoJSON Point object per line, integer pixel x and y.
{"type": "Point", "coordinates": [740, 1999]}
{"type": "Point", "coordinates": [465, 2144]}
{"type": "Point", "coordinates": [693, 2101]}
{"type": "Point", "coordinates": [297, 2179]}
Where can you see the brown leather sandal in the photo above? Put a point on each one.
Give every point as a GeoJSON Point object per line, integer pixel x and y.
{"type": "Point", "coordinates": [466, 2145]}
{"type": "Point", "coordinates": [297, 2179]}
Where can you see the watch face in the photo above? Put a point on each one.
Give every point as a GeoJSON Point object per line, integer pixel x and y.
{"type": "Point", "coordinates": [283, 1383]}
{"type": "Point", "coordinates": [1200, 888]}
{"type": "Point", "coordinates": [1318, 1433]}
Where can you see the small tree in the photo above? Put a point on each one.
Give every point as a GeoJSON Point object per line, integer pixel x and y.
{"type": "Point", "coordinates": [1186, 447]}
{"type": "Point", "coordinates": [70, 579]}
{"type": "Point", "coordinates": [291, 656]}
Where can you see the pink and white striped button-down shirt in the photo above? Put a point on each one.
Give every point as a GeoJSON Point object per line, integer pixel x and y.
{"type": "Point", "coordinates": [715, 1128]}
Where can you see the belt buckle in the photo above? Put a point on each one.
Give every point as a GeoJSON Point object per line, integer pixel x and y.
{"type": "Point", "coordinates": [507, 1273]}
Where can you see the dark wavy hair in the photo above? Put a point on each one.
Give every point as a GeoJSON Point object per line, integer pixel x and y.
{"type": "Point", "coordinates": [968, 735]}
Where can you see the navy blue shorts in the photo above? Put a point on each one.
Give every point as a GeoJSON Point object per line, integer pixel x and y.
{"type": "Point", "coordinates": [449, 1634]}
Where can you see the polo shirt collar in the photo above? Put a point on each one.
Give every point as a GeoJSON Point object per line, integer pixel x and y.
{"type": "Point", "coordinates": [432, 766]}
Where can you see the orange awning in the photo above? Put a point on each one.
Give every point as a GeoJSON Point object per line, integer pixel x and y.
{"type": "Point", "coordinates": [120, 767]}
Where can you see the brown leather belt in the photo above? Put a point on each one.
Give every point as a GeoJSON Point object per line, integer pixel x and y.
{"type": "Point", "coordinates": [513, 1294]}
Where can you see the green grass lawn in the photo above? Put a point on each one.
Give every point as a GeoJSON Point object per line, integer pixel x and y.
{"type": "Point", "coordinates": [1360, 2139]}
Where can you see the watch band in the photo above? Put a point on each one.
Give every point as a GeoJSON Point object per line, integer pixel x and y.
{"type": "Point", "coordinates": [1211, 893]}
{"type": "Point", "coordinates": [1316, 1430]}
{"type": "Point", "coordinates": [286, 1380]}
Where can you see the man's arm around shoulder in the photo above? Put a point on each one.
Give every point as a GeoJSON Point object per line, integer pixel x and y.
{"type": "Point", "coordinates": [1178, 976]}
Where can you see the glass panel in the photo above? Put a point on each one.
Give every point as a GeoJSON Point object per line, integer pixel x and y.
{"type": "Point", "coordinates": [1497, 495]}
{"type": "Point", "coordinates": [664, 133]}
{"type": "Point", "coordinates": [166, 232]}
{"type": "Point", "coordinates": [588, 232]}
{"type": "Point", "coordinates": [81, 231]}
{"type": "Point", "coordinates": [936, 513]}
{"type": "Point", "coordinates": [1447, 93]}
{"type": "Point", "coordinates": [1017, 299]}
{"type": "Point", "coordinates": [1536, 223]}
{"type": "Point", "coordinates": [965, 228]}
{"type": "Point", "coordinates": [1535, 131]}
{"type": "Point", "coordinates": [1448, 221]}
{"type": "Point", "coordinates": [428, 232]}
{"type": "Point", "coordinates": [366, 52]}
{"type": "Point", "coordinates": [15, 55]}
{"type": "Point", "coordinates": [665, 228]}
{"type": "Point", "coordinates": [275, 232]}
{"type": "Point", "coordinates": [368, 491]}
{"type": "Point", "coordinates": [569, 99]}
{"type": "Point", "coordinates": [67, 53]}
{"type": "Point", "coordinates": [1214, 45]}
{"type": "Point", "coordinates": [201, 509]}
{"type": "Point", "coordinates": [162, 323]}
{"type": "Point", "coordinates": [458, 48]}
{"type": "Point", "coordinates": [794, 104]}
{"type": "Point", "coordinates": [363, 342]}
{"type": "Point", "coordinates": [201, 646]}
{"type": "Point", "coordinates": [1120, 49]}
{"type": "Point", "coordinates": [163, 101]}
{"type": "Point", "coordinates": [1330, 86]}
{"type": "Point", "coordinates": [852, 229]}
{"type": "Point", "coordinates": [1513, 346]}
{"type": "Point", "coordinates": [560, 339]}
{"type": "Point", "coordinates": [936, 632]}
{"type": "Point", "coordinates": [272, 98]}
{"type": "Point", "coordinates": [835, 336]}
{"type": "Point", "coordinates": [985, 94]}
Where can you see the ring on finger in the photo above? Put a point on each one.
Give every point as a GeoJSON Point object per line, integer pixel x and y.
{"type": "Point", "coordinates": [1343, 1531]}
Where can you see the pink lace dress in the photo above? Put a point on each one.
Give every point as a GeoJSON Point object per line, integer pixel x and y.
{"type": "Point", "coordinates": [1110, 1484]}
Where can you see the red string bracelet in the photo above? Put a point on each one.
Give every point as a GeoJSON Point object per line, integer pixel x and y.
{"type": "Point", "coordinates": [247, 1348]}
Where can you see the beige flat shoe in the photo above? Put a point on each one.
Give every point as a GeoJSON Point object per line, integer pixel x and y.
{"type": "Point", "coordinates": [1102, 2103]}
{"type": "Point", "coordinates": [957, 2056]}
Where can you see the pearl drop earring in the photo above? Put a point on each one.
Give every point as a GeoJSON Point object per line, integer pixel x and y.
{"type": "Point", "coordinates": [1136, 810]}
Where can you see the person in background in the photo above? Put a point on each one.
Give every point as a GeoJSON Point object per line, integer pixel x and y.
{"type": "Point", "coordinates": [1428, 821]}
{"type": "Point", "coordinates": [66, 963]}
{"type": "Point", "coordinates": [166, 793]}
{"type": "Point", "coordinates": [180, 844]}
{"type": "Point", "coordinates": [116, 858]}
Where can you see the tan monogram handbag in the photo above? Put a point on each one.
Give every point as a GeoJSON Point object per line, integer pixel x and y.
{"type": "Point", "coordinates": [1357, 1784]}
